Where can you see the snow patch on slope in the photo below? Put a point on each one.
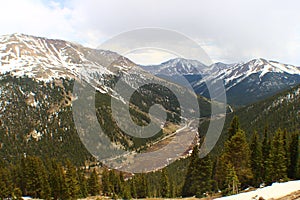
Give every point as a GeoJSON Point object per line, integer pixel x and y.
{"type": "Point", "coordinates": [276, 190]}
{"type": "Point", "coordinates": [46, 59]}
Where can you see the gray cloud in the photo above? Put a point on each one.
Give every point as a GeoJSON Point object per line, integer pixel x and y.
{"type": "Point", "coordinates": [229, 31]}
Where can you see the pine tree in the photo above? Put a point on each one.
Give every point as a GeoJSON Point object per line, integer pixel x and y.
{"type": "Point", "coordinates": [71, 179]}
{"type": "Point", "coordinates": [5, 184]}
{"type": "Point", "coordinates": [66, 194]}
{"type": "Point", "coordinates": [256, 159]}
{"type": "Point", "coordinates": [36, 178]}
{"type": "Point", "coordinates": [44, 177]}
{"type": "Point", "coordinates": [234, 126]}
{"type": "Point", "coordinates": [56, 180]}
{"type": "Point", "coordinates": [236, 152]}
{"type": "Point", "coordinates": [142, 189]}
{"type": "Point", "coordinates": [127, 192]}
{"type": "Point", "coordinates": [198, 178]}
{"type": "Point", "coordinates": [22, 174]}
{"type": "Point", "coordinates": [205, 176]}
{"type": "Point", "coordinates": [172, 189]}
{"type": "Point", "coordinates": [219, 175]}
{"type": "Point", "coordinates": [266, 146]}
{"type": "Point", "coordinates": [276, 165]}
{"type": "Point", "coordinates": [83, 184]}
{"type": "Point", "coordinates": [165, 184]}
{"type": "Point", "coordinates": [17, 194]}
{"type": "Point", "coordinates": [190, 187]}
{"type": "Point", "coordinates": [133, 188]}
{"type": "Point", "coordinates": [122, 183]}
{"type": "Point", "coordinates": [94, 184]}
{"type": "Point", "coordinates": [232, 181]}
{"type": "Point", "coordinates": [145, 186]}
{"type": "Point", "coordinates": [106, 185]}
{"type": "Point", "coordinates": [115, 181]}
{"type": "Point", "coordinates": [294, 157]}
{"type": "Point", "coordinates": [286, 147]}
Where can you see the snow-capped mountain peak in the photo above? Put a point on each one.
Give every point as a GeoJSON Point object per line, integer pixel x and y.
{"type": "Point", "coordinates": [177, 66]}
{"type": "Point", "coordinates": [253, 80]}
{"type": "Point", "coordinates": [256, 66]}
{"type": "Point", "coordinates": [264, 66]}
{"type": "Point", "coordinates": [47, 59]}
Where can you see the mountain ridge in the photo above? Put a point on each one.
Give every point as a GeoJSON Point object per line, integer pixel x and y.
{"type": "Point", "coordinates": [245, 82]}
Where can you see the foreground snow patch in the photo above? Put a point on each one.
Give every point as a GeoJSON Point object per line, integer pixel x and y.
{"type": "Point", "coordinates": [276, 190]}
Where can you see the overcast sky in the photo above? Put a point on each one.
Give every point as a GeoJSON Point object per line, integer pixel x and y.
{"type": "Point", "coordinates": [228, 30]}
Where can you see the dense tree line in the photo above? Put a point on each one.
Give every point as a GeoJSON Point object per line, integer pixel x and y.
{"type": "Point", "coordinates": [52, 180]}
{"type": "Point", "coordinates": [155, 184]}
{"type": "Point", "coordinates": [264, 158]}
{"type": "Point", "coordinates": [47, 180]}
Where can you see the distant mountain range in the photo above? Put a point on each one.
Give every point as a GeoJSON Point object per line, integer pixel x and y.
{"type": "Point", "coordinates": [245, 82]}
{"type": "Point", "coordinates": [46, 59]}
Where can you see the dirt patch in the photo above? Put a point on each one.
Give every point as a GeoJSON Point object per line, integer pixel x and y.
{"type": "Point", "coordinates": [292, 196]}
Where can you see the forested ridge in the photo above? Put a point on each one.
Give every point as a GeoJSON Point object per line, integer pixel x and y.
{"type": "Point", "coordinates": [36, 118]}
{"type": "Point", "coordinates": [258, 146]}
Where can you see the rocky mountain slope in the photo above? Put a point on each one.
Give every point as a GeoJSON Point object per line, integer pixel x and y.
{"type": "Point", "coordinates": [37, 77]}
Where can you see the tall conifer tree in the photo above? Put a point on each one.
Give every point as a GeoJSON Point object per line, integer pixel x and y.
{"type": "Point", "coordinates": [294, 157]}
{"type": "Point", "coordinates": [165, 184]}
{"type": "Point", "coordinates": [199, 176]}
{"type": "Point", "coordinates": [256, 159]}
{"type": "Point", "coordinates": [237, 152]}
{"type": "Point", "coordinates": [94, 183]}
{"type": "Point", "coordinates": [234, 126]}
{"type": "Point", "coordinates": [276, 166]}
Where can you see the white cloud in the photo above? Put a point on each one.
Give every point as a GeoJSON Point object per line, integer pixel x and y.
{"type": "Point", "coordinates": [230, 30]}
{"type": "Point", "coordinates": [150, 56]}
{"type": "Point", "coordinates": [34, 17]}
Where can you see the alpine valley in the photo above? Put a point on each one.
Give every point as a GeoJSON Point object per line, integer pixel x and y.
{"type": "Point", "coordinates": [42, 155]}
{"type": "Point", "coordinates": [37, 79]}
